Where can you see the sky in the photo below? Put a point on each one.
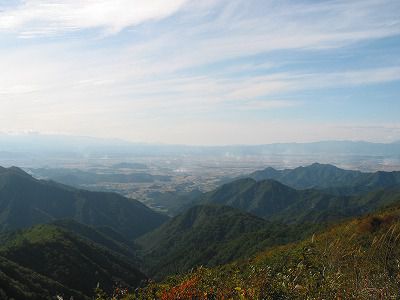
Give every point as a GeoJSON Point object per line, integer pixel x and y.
{"type": "Point", "coordinates": [203, 72]}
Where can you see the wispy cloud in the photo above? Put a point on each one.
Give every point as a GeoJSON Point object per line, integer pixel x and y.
{"type": "Point", "coordinates": [91, 63]}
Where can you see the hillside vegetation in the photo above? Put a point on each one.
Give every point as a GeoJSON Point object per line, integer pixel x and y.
{"type": "Point", "coordinates": [247, 239]}
{"type": "Point", "coordinates": [79, 260]}
{"type": "Point", "coordinates": [209, 235]}
{"type": "Point", "coordinates": [358, 259]}
{"type": "Point", "coordinates": [275, 201]}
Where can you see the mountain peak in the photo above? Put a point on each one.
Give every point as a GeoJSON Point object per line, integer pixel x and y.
{"type": "Point", "coordinates": [14, 175]}
{"type": "Point", "coordinates": [316, 175]}
{"type": "Point", "coordinates": [13, 170]}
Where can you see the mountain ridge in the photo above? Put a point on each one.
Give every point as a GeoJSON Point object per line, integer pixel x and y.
{"type": "Point", "coordinates": [26, 201]}
{"type": "Point", "coordinates": [327, 176]}
{"type": "Point", "coordinates": [275, 201]}
{"type": "Point", "coordinates": [354, 259]}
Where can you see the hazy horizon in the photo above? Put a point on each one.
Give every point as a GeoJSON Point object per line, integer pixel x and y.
{"type": "Point", "coordinates": [37, 136]}
{"type": "Point", "coordinates": [211, 72]}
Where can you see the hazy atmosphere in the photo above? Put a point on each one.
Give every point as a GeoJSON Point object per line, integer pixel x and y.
{"type": "Point", "coordinates": [201, 72]}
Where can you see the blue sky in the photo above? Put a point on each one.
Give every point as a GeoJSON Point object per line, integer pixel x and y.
{"type": "Point", "coordinates": [202, 72]}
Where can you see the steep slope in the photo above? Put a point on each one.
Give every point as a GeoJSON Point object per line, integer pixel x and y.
{"type": "Point", "coordinates": [357, 259]}
{"type": "Point", "coordinates": [210, 235]}
{"type": "Point", "coordinates": [76, 262]}
{"type": "Point", "coordinates": [277, 202]}
{"type": "Point", "coordinates": [324, 176]}
{"type": "Point", "coordinates": [264, 198]}
{"type": "Point", "coordinates": [25, 201]}
{"type": "Point", "coordinates": [102, 236]}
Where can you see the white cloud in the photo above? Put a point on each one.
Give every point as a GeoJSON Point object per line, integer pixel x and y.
{"type": "Point", "coordinates": [41, 17]}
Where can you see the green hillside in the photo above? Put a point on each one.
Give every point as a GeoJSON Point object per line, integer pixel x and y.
{"type": "Point", "coordinates": [75, 261]}
{"type": "Point", "coordinates": [357, 259]}
{"type": "Point", "coordinates": [25, 201]}
{"type": "Point", "coordinates": [210, 235]}
{"type": "Point", "coordinates": [247, 239]}
{"type": "Point", "coordinates": [103, 236]}
{"type": "Point", "coordinates": [277, 202]}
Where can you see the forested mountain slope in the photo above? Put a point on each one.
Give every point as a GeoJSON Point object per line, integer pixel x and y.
{"type": "Point", "coordinates": [75, 261]}
{"type": "Point", "coordinates": [209, 235]}
{"type": "Point", "coordinates": [275, 201]}
{"type": "Point", "coordinates": [357, 259]}
{"type": "Point", "coordinates": [25, 201]}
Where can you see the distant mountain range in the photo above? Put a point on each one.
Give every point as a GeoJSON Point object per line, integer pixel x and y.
{"type": "Point", "coordinates": [222, 226]}
{"type": "Point", "coordinates": [225, 227]}
{"type": "Point", "coordinates": [25, 201]}
{"type": "Point", "coordinates": [324, 176]}
{"type": "Point", "coordinates": [42, 145]}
